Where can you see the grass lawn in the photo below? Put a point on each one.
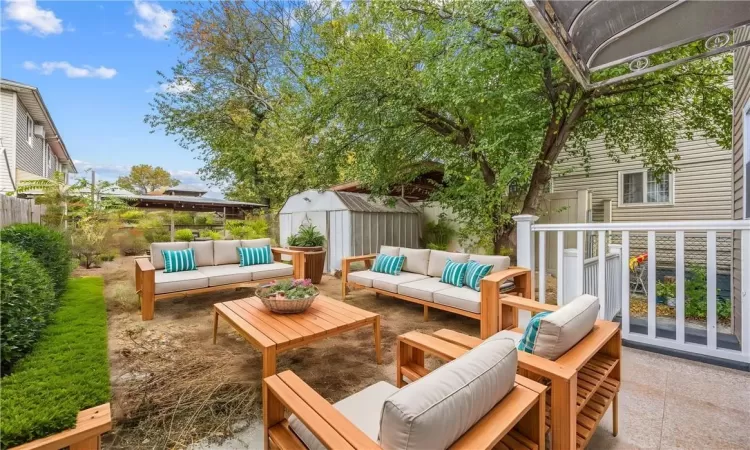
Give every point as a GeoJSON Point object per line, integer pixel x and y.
{"type": "Point", "coordinates": [67, 371]}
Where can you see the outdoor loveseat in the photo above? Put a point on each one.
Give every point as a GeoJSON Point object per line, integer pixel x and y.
{"type": "Point", "coordinates": [419, 282]}
{"type": "Point", "coordinates": [218, 268]}
{"type": "Point", "coordinates": [475, 402]}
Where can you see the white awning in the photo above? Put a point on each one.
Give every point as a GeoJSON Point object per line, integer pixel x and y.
{"type": "Point", "coordinates": [594, 35]}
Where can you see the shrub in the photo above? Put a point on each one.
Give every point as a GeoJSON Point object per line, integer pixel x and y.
{"type": "Point", "coordinates": [90, 240]}
{"type": "Point", "coordinates": [248, 229]}
{"type": "Point", "coordinates": [67, 371]}
{"type": "Point", "coordinates": [50, 247]}
{"type": "Point", "coordinates": [204, 219]}
{"type": "Point", "coordinates": [213, 235]}
{"type": "Point", "coordinates": [132, 216]}
{"type": "Point", "coordinates": [437, 235]}
{"type": "Point", "coordinates": [183, 218]}
{"type": "Point", "coordinates": [184, 235]}
{"type": "Point", "coordinates": [27, 298]}
{"type": "Point", "coordinates": [133, 242]}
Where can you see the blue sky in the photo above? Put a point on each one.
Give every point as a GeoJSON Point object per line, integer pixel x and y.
{"type": "Point", "coordinates": [95, 64]}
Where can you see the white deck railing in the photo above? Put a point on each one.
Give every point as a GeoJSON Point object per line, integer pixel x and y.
{"type": "Point", "coordinates": [601, 277]}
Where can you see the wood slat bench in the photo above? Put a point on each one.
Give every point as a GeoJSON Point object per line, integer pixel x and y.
{"type": "Point", "coordinates": [86, 435]}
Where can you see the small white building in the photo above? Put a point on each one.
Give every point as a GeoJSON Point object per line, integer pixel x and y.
{"type": "Point", "coordinates": [352, 223]}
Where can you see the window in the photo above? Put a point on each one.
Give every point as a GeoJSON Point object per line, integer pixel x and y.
{"type": "Point", "coordinates": [746, 161]}
{"type": "Point", "coordinates": [29, 130]}
{"type": "Point", "coordinates": [641, 187]}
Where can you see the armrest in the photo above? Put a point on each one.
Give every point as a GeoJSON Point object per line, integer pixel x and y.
{"type": "Point", "coordinates": [544, 367]}
{"type": "Point", "coordinates": [502, 275]}
{"type": "Point", "coordinates": [526, 304]}
{"type": "Point", "coordinates": [320, 417]}
{"type": "Point", "coordinates": [144, 265]}
{"type": "Point", "coordinates": [285, 251]}
{"type": "Point", "coordinates": [298, 260]}
{"type": "Point", "coordinates": [351, 259]}
{"type": "Point", "coordinates": [435, 346]}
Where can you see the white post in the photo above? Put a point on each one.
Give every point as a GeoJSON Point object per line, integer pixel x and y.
{"type": "Point", "coordinates": [625, 295]}
{"type": "Point", "coordinates": [601, 278]}
{"type": "Point", "coordinates": [614, 293]}
{"type": "Point", "coordinates": [570, 283]}
{"type": "Point", "coordinates": [542, 267]}
{"type": "Point", "coordinates": [525, 254]}
{"type": "Point", "coordinates": [745, 292]}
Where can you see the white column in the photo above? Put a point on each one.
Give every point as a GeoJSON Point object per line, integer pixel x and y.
{"type": "Point", "coordinates": [525, 254]}
{"type": "Point", "coordinates": [745, 292]}
{"type": "Point", "coordinates": [570, 282]}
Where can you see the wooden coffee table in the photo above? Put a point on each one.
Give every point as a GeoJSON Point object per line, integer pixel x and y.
{"type": "Point", "coordinates": [273, 333]}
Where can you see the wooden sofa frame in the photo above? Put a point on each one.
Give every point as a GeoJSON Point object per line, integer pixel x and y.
{"type": "Point", "coordinates": [86, 435]}
{"type": "Point", "coordinates": [145, 282]}
{"type": "Point", "coordinates": [517, 421]}
{"type": "Point", "coordinates": [488, 316]}
{"type": "Point", "coordinates": [583, 382]}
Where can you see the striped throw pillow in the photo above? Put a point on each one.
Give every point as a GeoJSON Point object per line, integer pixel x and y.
{"type": "Point", "coordinates": [475, 272]}
{"type": "Point", "coordinates": [454, 273]}
{"type": "Point", "coordinates": [179, 260]}
{"type": "Point", "coordinates": [250, 256]}
{"type": "Point", "coordinates": [528, 340]}
{"type": "Point", "coordinates": [388, 264]}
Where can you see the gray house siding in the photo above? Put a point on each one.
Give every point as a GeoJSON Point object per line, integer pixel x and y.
{"type": "Point", "coordinates": [8, 136]}
{"type": "Point", "coordinates": [28, 158]}
{"type": "Point", "coordinates": [741, 98]}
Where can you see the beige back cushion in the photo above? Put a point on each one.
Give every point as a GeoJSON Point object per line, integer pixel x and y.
{"type": "Point", "coordinates": [252, 243]}
{"type": "Point", "coordinates": [434, 411]}
{"type": "Point", "coordinates": [156, 257]}
{"type": "Point", "coordinates": [416, 260]}
{"type": "Point", "coordinates": [388, 250]}
{"type": "Point", "coordinates": [498, 262]}
{"type": "Point", "coordinates": [438, 258]}
{"type": "Point", "coordinates": [204, 252]}
{"type": "Point", "coordinates": [225, 252]}
{"type": "Point", "coordinates": [562, 329]}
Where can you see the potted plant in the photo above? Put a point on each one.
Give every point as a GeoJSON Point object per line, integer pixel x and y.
{"type": "Point", "coordinates": [287, 296]}
{"type": "Point", "coordinates": [309, 240]}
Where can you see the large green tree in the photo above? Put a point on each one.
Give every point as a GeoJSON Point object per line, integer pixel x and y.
{"type": "Point", "coordinates": [144, 178]}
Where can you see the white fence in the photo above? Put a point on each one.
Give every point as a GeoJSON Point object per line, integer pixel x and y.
{"type": "Point", "coordinates": [602, 277]}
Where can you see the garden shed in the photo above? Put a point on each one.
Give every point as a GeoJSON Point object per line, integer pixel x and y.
{"type": "Point", "coordinates": [353, 223]}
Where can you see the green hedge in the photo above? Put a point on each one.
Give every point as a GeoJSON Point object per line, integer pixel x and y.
{"type": "Point", "coordinates": [67, 371]}
{"type": "Point", "coordinates": [27, 299]}
{"type": "Point", "coordinates": [51, 248]}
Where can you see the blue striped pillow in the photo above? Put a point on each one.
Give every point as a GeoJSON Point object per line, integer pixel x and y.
{"type": "Point", "coordinates": [388, 264]}
{"type": "Point", "coordinates": [179, 260]}
{"type": "Point", "coordinates": [454, 273]}
{"type": "Point", "coordinates": [528, 340]}
{"type": "Point", "coordinates": [475, 272]}
{"type": "Point", "coordinates": [250, 256]}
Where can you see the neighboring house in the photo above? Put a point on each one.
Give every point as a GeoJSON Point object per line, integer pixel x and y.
{"type": "Point", "coordinates": [31, 144]}
{"type": "Point", "coordinates": [741, 168]}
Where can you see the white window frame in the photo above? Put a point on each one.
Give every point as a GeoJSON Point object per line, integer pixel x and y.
{"type": "Point", "coordinates": [645, 203]}
{"type": "Point", "coordinates": [29, 130]}
{"type": "Point", "coordinates": [746, 159]}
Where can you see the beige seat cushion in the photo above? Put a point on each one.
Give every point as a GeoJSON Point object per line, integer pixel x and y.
{"type": "Point", "coordinates": [226, 274]}
{"type": "Point", "coordinates": [156, 257]}
{"type": "Point", "coordinates": [459, 297]}
{"type": "Point", "coordinates": [390, 282]}
{"type": "Point", "coordinates": [423, 289]}
{"type": "Point", "coordinates": [416, 260]}
{"type": "Point", "coordinates": [179, 281]}
{"type": "Point", "coordinates": [225, 252]}
{"type": "Point", "coordinates": [254, 243]}
{"type": "Point", "coordinates": [438, 259]}
{"type": "Point", "coordinates": [498, 262]}
{"type": "Point", "coordinates": [362, 409]}
{"type": "Point", "coordinates": [364, 277]}
{"type": "Point", "coordinates": [435, 411]}
{"type": "Point", "coordinates": [270, 271]}
{"type": "Point", "coordinates": [562, 329]}
{"type": "Point", "coordinates": [204, 252]}
{"type": "Point", "coordinates": [390, 251]}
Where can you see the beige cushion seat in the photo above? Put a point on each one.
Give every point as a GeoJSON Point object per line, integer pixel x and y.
{"type": "Point", "coordinates": [459, 297]}
{"type": "Point", "coordinates": [226, 274]}
{"type": "Point", "coordinates": [364, 277]}
{"type": "Point", "coordinates": [390, 283]}
{"type": "Point", "coordinates": [423, 289]}
{"type": "Point", "coordinates": [270, 271]}
{"type": "Point", "coordinates": [362, 409]}
{"type": "Point", "coordinates": [179, 281]}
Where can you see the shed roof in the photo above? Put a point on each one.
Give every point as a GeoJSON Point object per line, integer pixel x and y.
{"type": "Point", "coordinates": [593, 35]}
{"type": "Point", "coordinates": [363, 203]}
{"type": "Point", "coordinates": [314, 200]}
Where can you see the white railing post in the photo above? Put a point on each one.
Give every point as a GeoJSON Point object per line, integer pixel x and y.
{"type": "Point", "coordinates": [614, 291]}
{"type": "Point", "coordinates": [745, 292]}
{"type": "Point", "coordinates": [525, 255]}
{"type": "Point", "coordinates": [711, 328]}
{"type": "Point", "coordinates": [570, 283]}
{"type": "Point", "coordinates": [601, 283]}
{"type": "Point", "coordinates": [542, 267]}
{"type": "Point", "coordinates": [625, 296]}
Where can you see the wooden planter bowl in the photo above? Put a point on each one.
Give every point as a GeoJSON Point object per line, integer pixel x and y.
{"type": "Point", "coordinates": [315, 260]}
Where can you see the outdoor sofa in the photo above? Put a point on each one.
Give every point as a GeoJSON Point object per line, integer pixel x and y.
{"type": "Point", "coordinates": [419, 282]}
{"type": "Point", "coordinates": [475, 402]}
{"type": "Point", "coordinates": [575, 354]}
{"type": "Point", "coordinates": [218, 268]}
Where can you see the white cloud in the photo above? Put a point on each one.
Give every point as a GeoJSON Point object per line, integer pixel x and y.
{"type": "Point", "coordinates": [154, 22]}
{"type": "Point", "coordinates": [71, 71]}
{"type": "Point", "coordinates": [32, 19]}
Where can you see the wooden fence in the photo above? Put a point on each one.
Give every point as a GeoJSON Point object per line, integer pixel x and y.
{"type": "Point", "coordinates": [19, 210]}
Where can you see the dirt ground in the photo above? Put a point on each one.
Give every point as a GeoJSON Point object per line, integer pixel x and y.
{"type": "Point", "coordinates": [171, 386]}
